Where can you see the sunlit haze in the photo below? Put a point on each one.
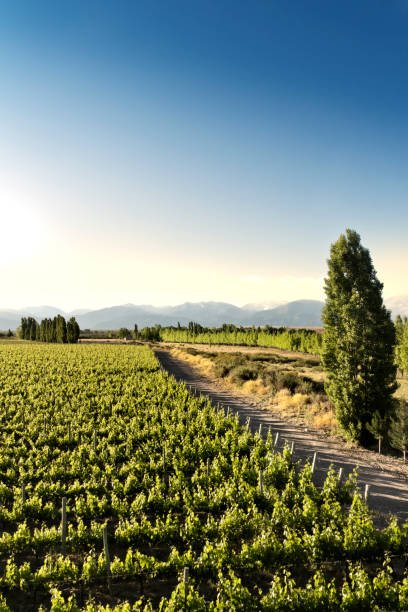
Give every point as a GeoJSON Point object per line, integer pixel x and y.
{"type": "Point", "coordinates": [156, 152]}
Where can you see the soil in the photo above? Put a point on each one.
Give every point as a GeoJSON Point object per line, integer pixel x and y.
{"type": "Point", "coordinates": [386, 476]}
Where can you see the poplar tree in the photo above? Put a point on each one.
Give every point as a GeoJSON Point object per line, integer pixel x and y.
{"type": "Point", "coordinates": [359, 339]}
{"type": "Point", "coordinates": [72, 331]}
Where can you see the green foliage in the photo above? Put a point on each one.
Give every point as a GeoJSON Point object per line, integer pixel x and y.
{"type": "Point", "coordinates": [305, 340]}
{"type": "Point", "coordinates": [401, 351]}
{"type": "Point", "coordinates": [124, 333]}
{"type": "Point", "coordinates": [359, 338]}
{"type": "Point", "coordinates": [72, 331]}
{"type": "Point", "coordinates": [398, 432]}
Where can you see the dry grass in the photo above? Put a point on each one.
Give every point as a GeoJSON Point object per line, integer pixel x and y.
{"type": "Point", "coordinates": [256, 387]}
{"type": "Point", "coordinates": [310, 408]}
{"type": "Point", "coordinates": [204, 364]}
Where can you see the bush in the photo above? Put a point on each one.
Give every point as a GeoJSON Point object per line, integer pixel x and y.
{"type": "Point", "coordinates": [242, 373]}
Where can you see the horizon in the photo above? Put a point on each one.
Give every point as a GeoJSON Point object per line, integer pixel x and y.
{"type": "Point", "coordinates": [163, 154]}
{"type": "Point", "coordinates": [151, 305]}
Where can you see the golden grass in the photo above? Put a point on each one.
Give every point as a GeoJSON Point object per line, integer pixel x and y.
{"type": "Point", "coordinates": [256, 387]}
{"type": "Point", "coordinates": [203, 363]}
{"type": "Point", "coordinates": [317, 413]}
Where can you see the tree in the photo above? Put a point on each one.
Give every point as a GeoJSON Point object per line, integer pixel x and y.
{"type": "Point", "coordinates": [398, 432]}
{"type": "Point", "coordinates": [136, 332]}
{"type": "Point", "coordinates": [72, 331]}
{"type": "Point", "coordinates": [359, 339]}
{"type": "Point", "coordinates": [401, 351]}
{"type": "Point", "coordinates": [124, 333]}
{"type": "Point", "coordinates": [60, 329]}
{"type": "Point", "coordinates": [379, 427]}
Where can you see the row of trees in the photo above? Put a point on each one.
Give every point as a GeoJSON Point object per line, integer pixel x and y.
{"type": "Point", "coordinates": [49, 330]}
{"type": "Point", "coordinates": [305, 340]}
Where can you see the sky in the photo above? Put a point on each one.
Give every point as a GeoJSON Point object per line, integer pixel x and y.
{"type": "Point", "coordinates": [161, 152]}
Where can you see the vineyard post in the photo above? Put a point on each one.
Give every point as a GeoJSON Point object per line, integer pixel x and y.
{"type": "Point", "coordinates": [63, 523]}
{"type": "Point", "coordinates": [185, 581]}
{"type": "Point", "coordinates": [107, 556]}
{"type": "Point", "coordinates": [314, 462]}
{"type": "Point", "coordinates": [292, 448]}
{"type": "Point", "coordinates": [260, 430]}
{"type": "Point", "coordinates": [340, 477]}
{"type": "Point", "coordinates": [276, 439]}
{"type": "Point", "coordinates": [367, 493]}
{"type": "Point", "coordinates": [248, 423]}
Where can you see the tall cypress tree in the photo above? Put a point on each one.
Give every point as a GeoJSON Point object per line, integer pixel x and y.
{"type": "Point", "coordinates": [359, 339]}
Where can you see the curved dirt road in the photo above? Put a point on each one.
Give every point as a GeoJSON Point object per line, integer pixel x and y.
{"type": "Point", "coordinates": [387, 477]}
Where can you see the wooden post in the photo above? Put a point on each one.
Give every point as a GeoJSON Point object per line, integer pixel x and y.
{"type": "Point", "coordinates": [260, 430]}
{"type": "Point", "coordinates": [340, 476]}
{"type": "Point", "coordinates": [228, 411]}
{"type": "Point", "coordinates": [367, 493]}
{"type": "Point", "coordinates": [261, 482]}
{"type": "Point", "coordinates": [63, 523]}
{"type": "Point", "coordinates": [276, 439]}
{"type": "Point", "coordinates": [185, 581]}
{"type": "Point", "coordinates": [379, 444]}
{"type": "Point", "coordinates": [185, 575]}
{"type": "Point", "coordinates": [314, 462]}
{"type": "Point", "coordinates": [107, 556]}
{"type": "Point", "coordinates": [248, 423]}
{"type": "Point", "coordinates": [292, 447]}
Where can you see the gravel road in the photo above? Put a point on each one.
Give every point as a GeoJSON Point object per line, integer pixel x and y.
{"type": "Point", "coordinates": [387, 477]}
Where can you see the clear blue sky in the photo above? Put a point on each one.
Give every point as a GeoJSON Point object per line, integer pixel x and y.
{"type": "Point", "coordinates": [157, 152]}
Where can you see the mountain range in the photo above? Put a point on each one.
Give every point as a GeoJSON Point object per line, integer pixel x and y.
{"type": "Point", "coordinates": [300, 313]}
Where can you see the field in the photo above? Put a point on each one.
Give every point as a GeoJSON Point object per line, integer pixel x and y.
{"type": "Point", "coordinates": [170, 504]}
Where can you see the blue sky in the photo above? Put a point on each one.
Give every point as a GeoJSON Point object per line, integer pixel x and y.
{"type": "Point", "coordinates": [157, 152]}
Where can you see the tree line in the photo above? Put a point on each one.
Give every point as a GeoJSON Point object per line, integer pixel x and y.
{"type": "Point", "coordinates": [304, 340]}
{"type": "Point", "coordinates": [49, 330]}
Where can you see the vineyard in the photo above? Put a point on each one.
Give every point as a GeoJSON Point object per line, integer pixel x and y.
{"type": "Point", "coordinates": [119, 490]}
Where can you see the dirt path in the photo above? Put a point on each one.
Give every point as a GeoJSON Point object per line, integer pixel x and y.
{"type": "Point", "coordinates": [387, 477]}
